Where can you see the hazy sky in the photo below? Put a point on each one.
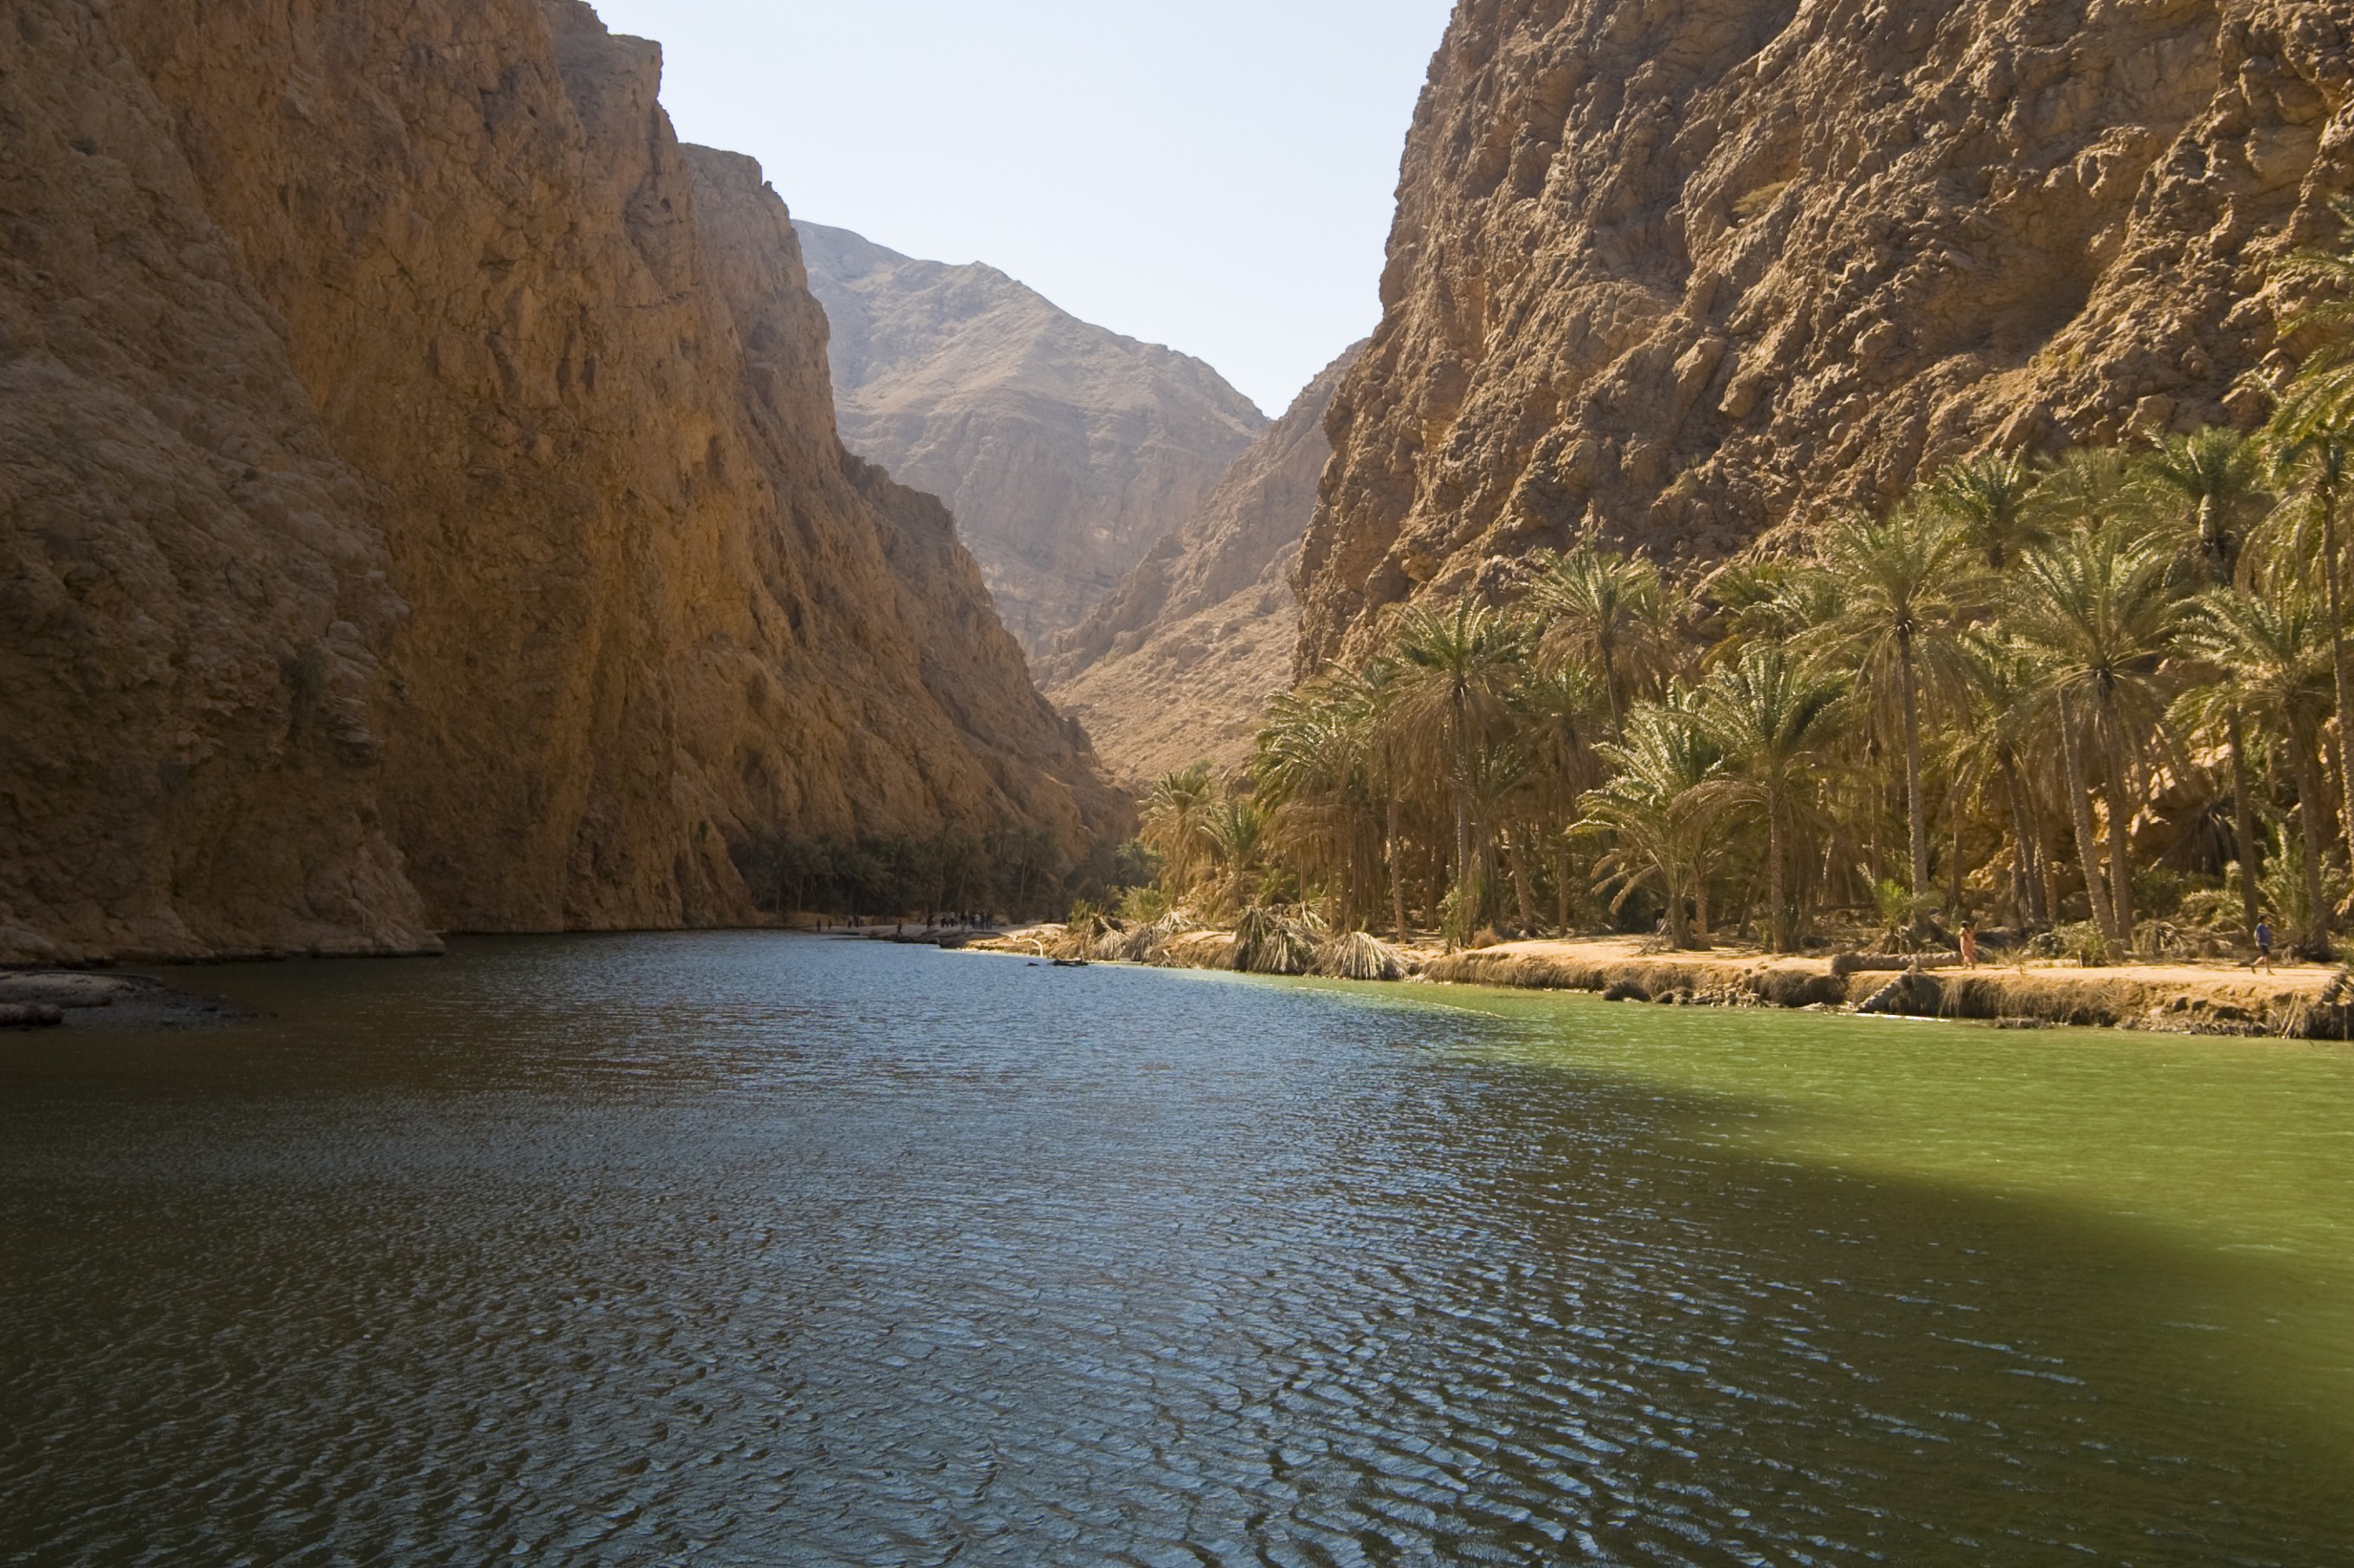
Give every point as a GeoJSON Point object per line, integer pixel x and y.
{"type": "Point", "coordinates": [1214, 174]}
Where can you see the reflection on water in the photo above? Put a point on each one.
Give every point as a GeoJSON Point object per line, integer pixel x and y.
{"type": "Point", "coordinates": [755, 1249]}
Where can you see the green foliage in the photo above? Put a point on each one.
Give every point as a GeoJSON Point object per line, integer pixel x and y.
{"type": "Point", "coordinates": [1145, 903]}
{"type": "Point", "coordinates": [1016, 872]}
{"type": "Point", "coordinates": [2103, 677]}
{"type": "Point", "coordinates": [2287, 897]}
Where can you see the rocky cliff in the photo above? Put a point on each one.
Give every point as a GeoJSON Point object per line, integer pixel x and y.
{"type": "Point", "coordinates": [1679, 273]}
{"type": "Point", "coordinates": [1175, 666]}
{"type": "Point", "coordinates": [1064, 450]}
{"type": "Point", "coordinates": [424, 503]}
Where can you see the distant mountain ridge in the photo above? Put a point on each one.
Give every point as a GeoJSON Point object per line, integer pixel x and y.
{"type": "Point", "coordinates": [1176, 665]}
{"type": "Point", "coordinates": [1065, 451]}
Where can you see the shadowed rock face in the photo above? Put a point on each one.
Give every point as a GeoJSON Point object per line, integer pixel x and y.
{"type": "Point", "coordinates": [425, 509]}
{"type": "Point", "coordinates": [1176, 665]}
{"type": "Point", "coordinates": [1680, 274]}
{"type": "Point", "coordinates": [1064, 450]}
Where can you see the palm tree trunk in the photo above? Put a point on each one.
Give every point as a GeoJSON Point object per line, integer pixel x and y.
{"type": "Point", "coordinates": [1522, 888]}
{"type": "Point", "coordinates": [1958, 808]}
{"type": "Point", "coordinates": [2243, 822]}
{"type": "Point", "coordinates": [2121, 816]}
{"type": "Point", "coordinates": [2312, 814]}
{"type": "Point", "coordinates": [2088, 843]}
{"type": "Point", "coordinates": [2022, 862]}
{"type": "Point", "coordinates": [2341, 657]}
{"type": "Point", "coordinates": [1392, 856]}
{"type": "Point", "coordinates": [1916, 808]}
{"type": "Point", "coordinates": [1610, 690]}
{"type": "Point", "coordinates": [1778, 915]}
{"type": "Point", "coordinates": [1465, 918]}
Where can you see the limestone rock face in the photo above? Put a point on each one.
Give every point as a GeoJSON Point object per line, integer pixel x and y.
{"type": "Point", "coordinates": [426, 507]}
{"type": "Point", "coordinates": [1176, 665]}
{"type": "Point", "coordinates": [192, 594]}
{"type": "Point", "coordinates": [1681, 273]}
{"type": "Point", "coordinates": [1064, 451]}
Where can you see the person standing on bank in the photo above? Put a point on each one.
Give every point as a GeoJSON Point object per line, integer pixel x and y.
{"type": "Point", "coordinates": [2264, 964]}
{"type": "Point", "coordinates": [1969, 944]}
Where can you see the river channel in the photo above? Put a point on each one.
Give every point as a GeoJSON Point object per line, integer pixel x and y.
{"type": "Point", "coordinates": [744, 1249]}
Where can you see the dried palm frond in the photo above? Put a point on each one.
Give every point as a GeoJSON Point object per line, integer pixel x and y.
{"type": "Point", "coordinates": [1360, 956]}
{"type": "Point", "coordinates": [1269, 943]}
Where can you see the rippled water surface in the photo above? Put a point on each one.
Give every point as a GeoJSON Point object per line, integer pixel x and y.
{"type": "Point", "coordinates": [748, 1249]}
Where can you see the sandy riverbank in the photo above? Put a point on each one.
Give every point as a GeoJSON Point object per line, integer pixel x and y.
{"type": "Point", "coordinates": [2298, 1002]}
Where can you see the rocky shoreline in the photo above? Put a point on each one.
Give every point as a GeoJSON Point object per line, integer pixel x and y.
{"type": "Point", "coordinates": [2300, 1002]}
{"type": "Point", "coordinates": [51, 998]}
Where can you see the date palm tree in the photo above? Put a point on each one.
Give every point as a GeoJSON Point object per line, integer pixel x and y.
{"type": "Point", "coordinates": [2321, 396]}
{"type": "Point", "coordinates": [1990, 499]}
{"type": "Point", "coordinates": [2268, 651]}
{"type": "Point", "coordinates": [1771, 601]}
{"type": "Point", "coordinates": [1236, 829]}
{"type": "Point", "coordinates": [1775, 720]}
{"type": "Point", "coordinates": [1456, 671]}
{"type": "Point", "coordinates": [2313, 460]}
{"type": "Point", "coordinates": [2098, 611]}
{"type": "Point", "coordinates": [2006, 732]}
{"type": "Point", "coordinates": [1659, 809]}
{"type": "Point", "coordinates": [1313, 775]}
{"type": "Point", "coordinates": [1905, 580]}
{"type": "Point", "coordinates": [1176, 821]}
{"type": "Point", "coordinates": [2208, 491]}
{"type": "Point", "coordinates": [1607, 609]}
{"type": "Point", "coordinates": [1557, 709]}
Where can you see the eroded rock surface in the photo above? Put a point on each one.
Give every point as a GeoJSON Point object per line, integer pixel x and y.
{"type": "Point", "coordinates": [193, 593]}
{"type": "Point", "coordinates": [1679, 273]}
{"type": "Point", "coordinates": [424, 504]}
{"type": "Point", "coordinates": [1176, 665]}
{"type": "Point", "coordinates": [1064, 450]}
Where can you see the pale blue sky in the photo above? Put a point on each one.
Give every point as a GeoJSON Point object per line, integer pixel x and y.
{"type": "Point", "coordinates": [1214, 174]}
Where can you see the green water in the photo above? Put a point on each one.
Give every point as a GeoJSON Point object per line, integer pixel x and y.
{"type": "Point", "coordinates": [748, 1249]}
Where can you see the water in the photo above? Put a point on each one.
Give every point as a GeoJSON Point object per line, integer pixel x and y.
{"type": "Point", "coordinates": [745, 1249]}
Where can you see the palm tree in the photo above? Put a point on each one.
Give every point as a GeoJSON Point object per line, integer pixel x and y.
{"type": "Point", "coordinates": [2321, 398]}
{"type": "Point", "coordinates": [2098, 612]}
{"type": "Point", "coordinates": [2314, 462]}
{"type": "Point", "coordinates": [1990, 499]}
{"type": "Point", "coordinates": [1658, 808]}
{"type": "Point", "coordinates": [1605, 607]}
{"type": "Point", "coordinates": [2004, 732]}
{"type": "Point", "coordinates": [1771, 601]}
{"type": "Point", "coordinates": [1456, 668]}
{"type": "Point", "coordinates": [1236, 829]}
{"type": "Point", "coordinates": [1175, 822]}
{"type": "Point", "coordinates": [2215, 705]}
{"type": "Point", "coordinates": [1555, 708]}
{"type": "Point", "coordinates": [1902, 621]}
{"type": "Point", "coordinates": [1775, 720]}
{"type": "Point", "coordinates": [2269, 653]}
{"type": "Point", "coordinates": [1374, 703]}
{"type": "Point", "coordinates": [1499, 770]}
{"type": "Point", "coordinates": [2208, 489]}
{"type": "Point", "coordinates": [1313, 776]}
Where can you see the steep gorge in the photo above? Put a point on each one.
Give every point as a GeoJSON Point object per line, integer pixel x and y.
{"type": "Point", "coordinates": [1175, 665]}
{"type": "Point", "coordinates": [1679, 274]}
{"type": "Point", "coordinates": [424, 508]}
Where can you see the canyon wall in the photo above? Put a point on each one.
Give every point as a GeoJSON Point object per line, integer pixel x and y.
{"type": "Point", "coordinates": [431, 514]}
{"type": "Point", "coordinates": [1677, 274]}
{"type": "Point", "coordinates": [1175, 666]}
{"type": "Point", "coordinates": [1064, 451]}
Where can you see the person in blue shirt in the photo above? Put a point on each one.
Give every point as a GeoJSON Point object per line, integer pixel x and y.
{"type": "Point", "coordinates": [2263, 963]}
